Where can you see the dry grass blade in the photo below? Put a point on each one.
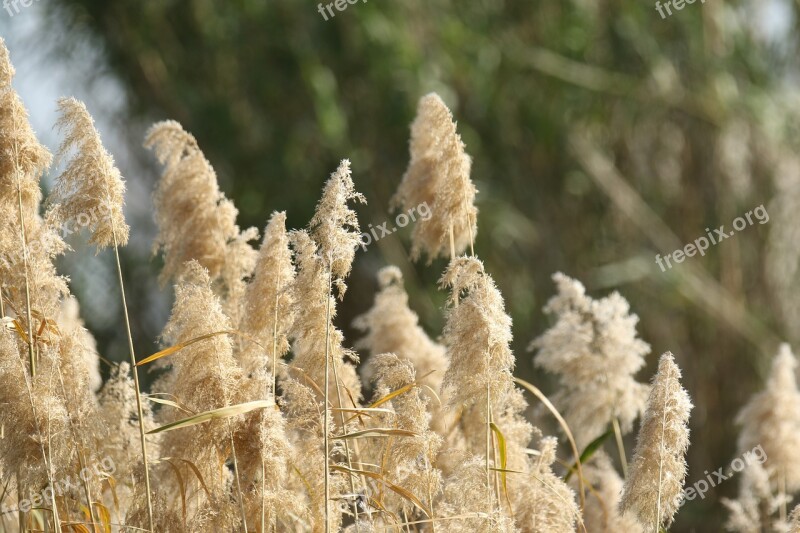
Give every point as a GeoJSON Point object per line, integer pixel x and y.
{"type": "Point", "coordinates": [476, 515]}
{"type": "Point", "coordinates": [215, 414]}
{"type": "Point", "coordinates": [377, 432]}
{"type": "Point", "coordinates": [398, 392]}
{"type": "Point", "coordinates": [198, 475]}
{"type": "Point", "coordinates": [78, 527]}
{"type": "Point", "coordinates": [501, 445]}
{"type": "Point", "coordinates": [112, 485]}
{"type": "Point", "coordinates": [362, 410]}
{"type": "Point", "coordinates": [542, 398]}
{"type": "Point", "coordinates": [394, 394]}
{"type": "Point", "coordinates": [181, 486]}
{"type": "Point", "coordinates": [394, 488]}
{"type": "Point", "coordinates": [20, 331]}
{"type": "Point", "coordinates": [181, 345]}
{"type": "Point", "coordinates": [122, 527]}
{"type": "Point", "coordinates": [105, 516]}
{"type": "Point", "coordinates": [170, 403]}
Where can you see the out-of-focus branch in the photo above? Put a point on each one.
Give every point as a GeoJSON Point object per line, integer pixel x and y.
{"type": "Point", "coordinates": [694, 282]}
{"type": "Point", "coordinates": [598, 79]}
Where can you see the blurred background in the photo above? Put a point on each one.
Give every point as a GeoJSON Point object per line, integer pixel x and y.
{"type": "Point", "coordinates": [602, 134]}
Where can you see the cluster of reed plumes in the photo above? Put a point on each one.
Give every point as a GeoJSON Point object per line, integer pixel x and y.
{"type": "Point", "coordinates": [258, 420]}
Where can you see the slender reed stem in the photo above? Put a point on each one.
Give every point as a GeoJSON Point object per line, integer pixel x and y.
{"type": "Point", "coordinates": [24, 239]}
{"type": "Point", "coordinates": [135, 371]}
{"type": "Point", "coordinates": [263, 499]}
{"type": "Point", "coordinates": [346, 445]}
{"type": "Point", "coordinates": [490, 501]}
{"type": "Point", "coordinates": [452, 243]}
{"type": "Point", "coordinates": [623, 459]}
{"type": "Point", "coordinates": [48, 462]}
{"type": "Point", "coordinates": [81, 459]}
{"type": "Point", "coordinates": [275, 347]}
{"type": "Point", "coordinates": [2, 499]}
{"type": "Point", "coordinates": [430, 493]}
{"type": "Point", "coordinates": [783, 497]}
{"type": "Point", "coordinates": [20, 514]}
{"type": "Point", "coordinates": [274, 398]}
{"type": "Point", "coordinates": [660, 469]}
{"type": "Point", "coordinates": [238, 481]}
{"type": "Point", "coordinates": [326, 417]}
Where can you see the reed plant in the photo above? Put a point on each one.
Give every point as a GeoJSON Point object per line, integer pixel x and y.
{"type": "Point", "coordinates": [263, 418]}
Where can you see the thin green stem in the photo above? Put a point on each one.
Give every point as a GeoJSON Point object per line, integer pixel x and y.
{"type": "Point", "coordinates": [783, 510]}
{"type": "Point", "coordinates": [623, 458]}
{"type": "Point", "coordinates": [135, 371]}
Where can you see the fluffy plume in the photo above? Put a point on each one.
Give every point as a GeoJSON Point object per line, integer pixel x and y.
{"type": "Point", "coordinates": [794, 520]}
{"type": "Point", "coordinates": [23, 159]}
{"type": "Point", "coordinates": [392, 327]}
{"type": "Point", "coordinates": [41, 444]}
{"type": "Point", "coordinates": [771, 419]}
{"type": "Point", "coordinates": [195, 220]}
{"type": "Point", "coordinates": [546, 503]}
{"type": "Point", "coordinates": [268, 303]}
{"type": "Point", "coordinates": [32, 415]}
{"type": "Point", "coordinates": [464, 492]}
{"type": "Point", "coordinates": [601, 514]}
{"type": "Point", "coordinates": [322, 261]}
{"type": "Point", "coordinates": [438, 175]}
{"type": "Point", "coordinates": [477, 336]}
{"type": "Point", "coordinates": [305, 428]}
{"type": "Point", "coordinates": [408, 462]}
{"type": "Point", "coordinates": [91, 188]}
{"type": "Point", "coordinates": [594, 350]}
{"type": "Point", "coordinates": [653, 490]}
{"type": "Point", "coordinates": [751, 510]}
{"type": "Point", "coordinates": [121, 444]}
{"type": "Point", "coordinates": [264, 453]}
{"type": "Point", "coordinates": [312, 326]}
{"type": "Point", "coordinates": [334, 226]}
{"type": "Point", "coordinates": [69, 319]}
{"type": "Point", "coordinates": [204, 376]}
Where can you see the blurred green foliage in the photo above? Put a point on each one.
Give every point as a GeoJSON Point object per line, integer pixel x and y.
{"type": "Point", "coordinates": [277, 96]}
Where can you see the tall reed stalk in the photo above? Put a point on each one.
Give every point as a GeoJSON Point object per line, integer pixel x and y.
{"type": "Point", "coordinates": [24, 243]}
{"type": "Point", "coordinates": [135, 371]}
{"type": "Point", "coordinates": [326, 417]}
